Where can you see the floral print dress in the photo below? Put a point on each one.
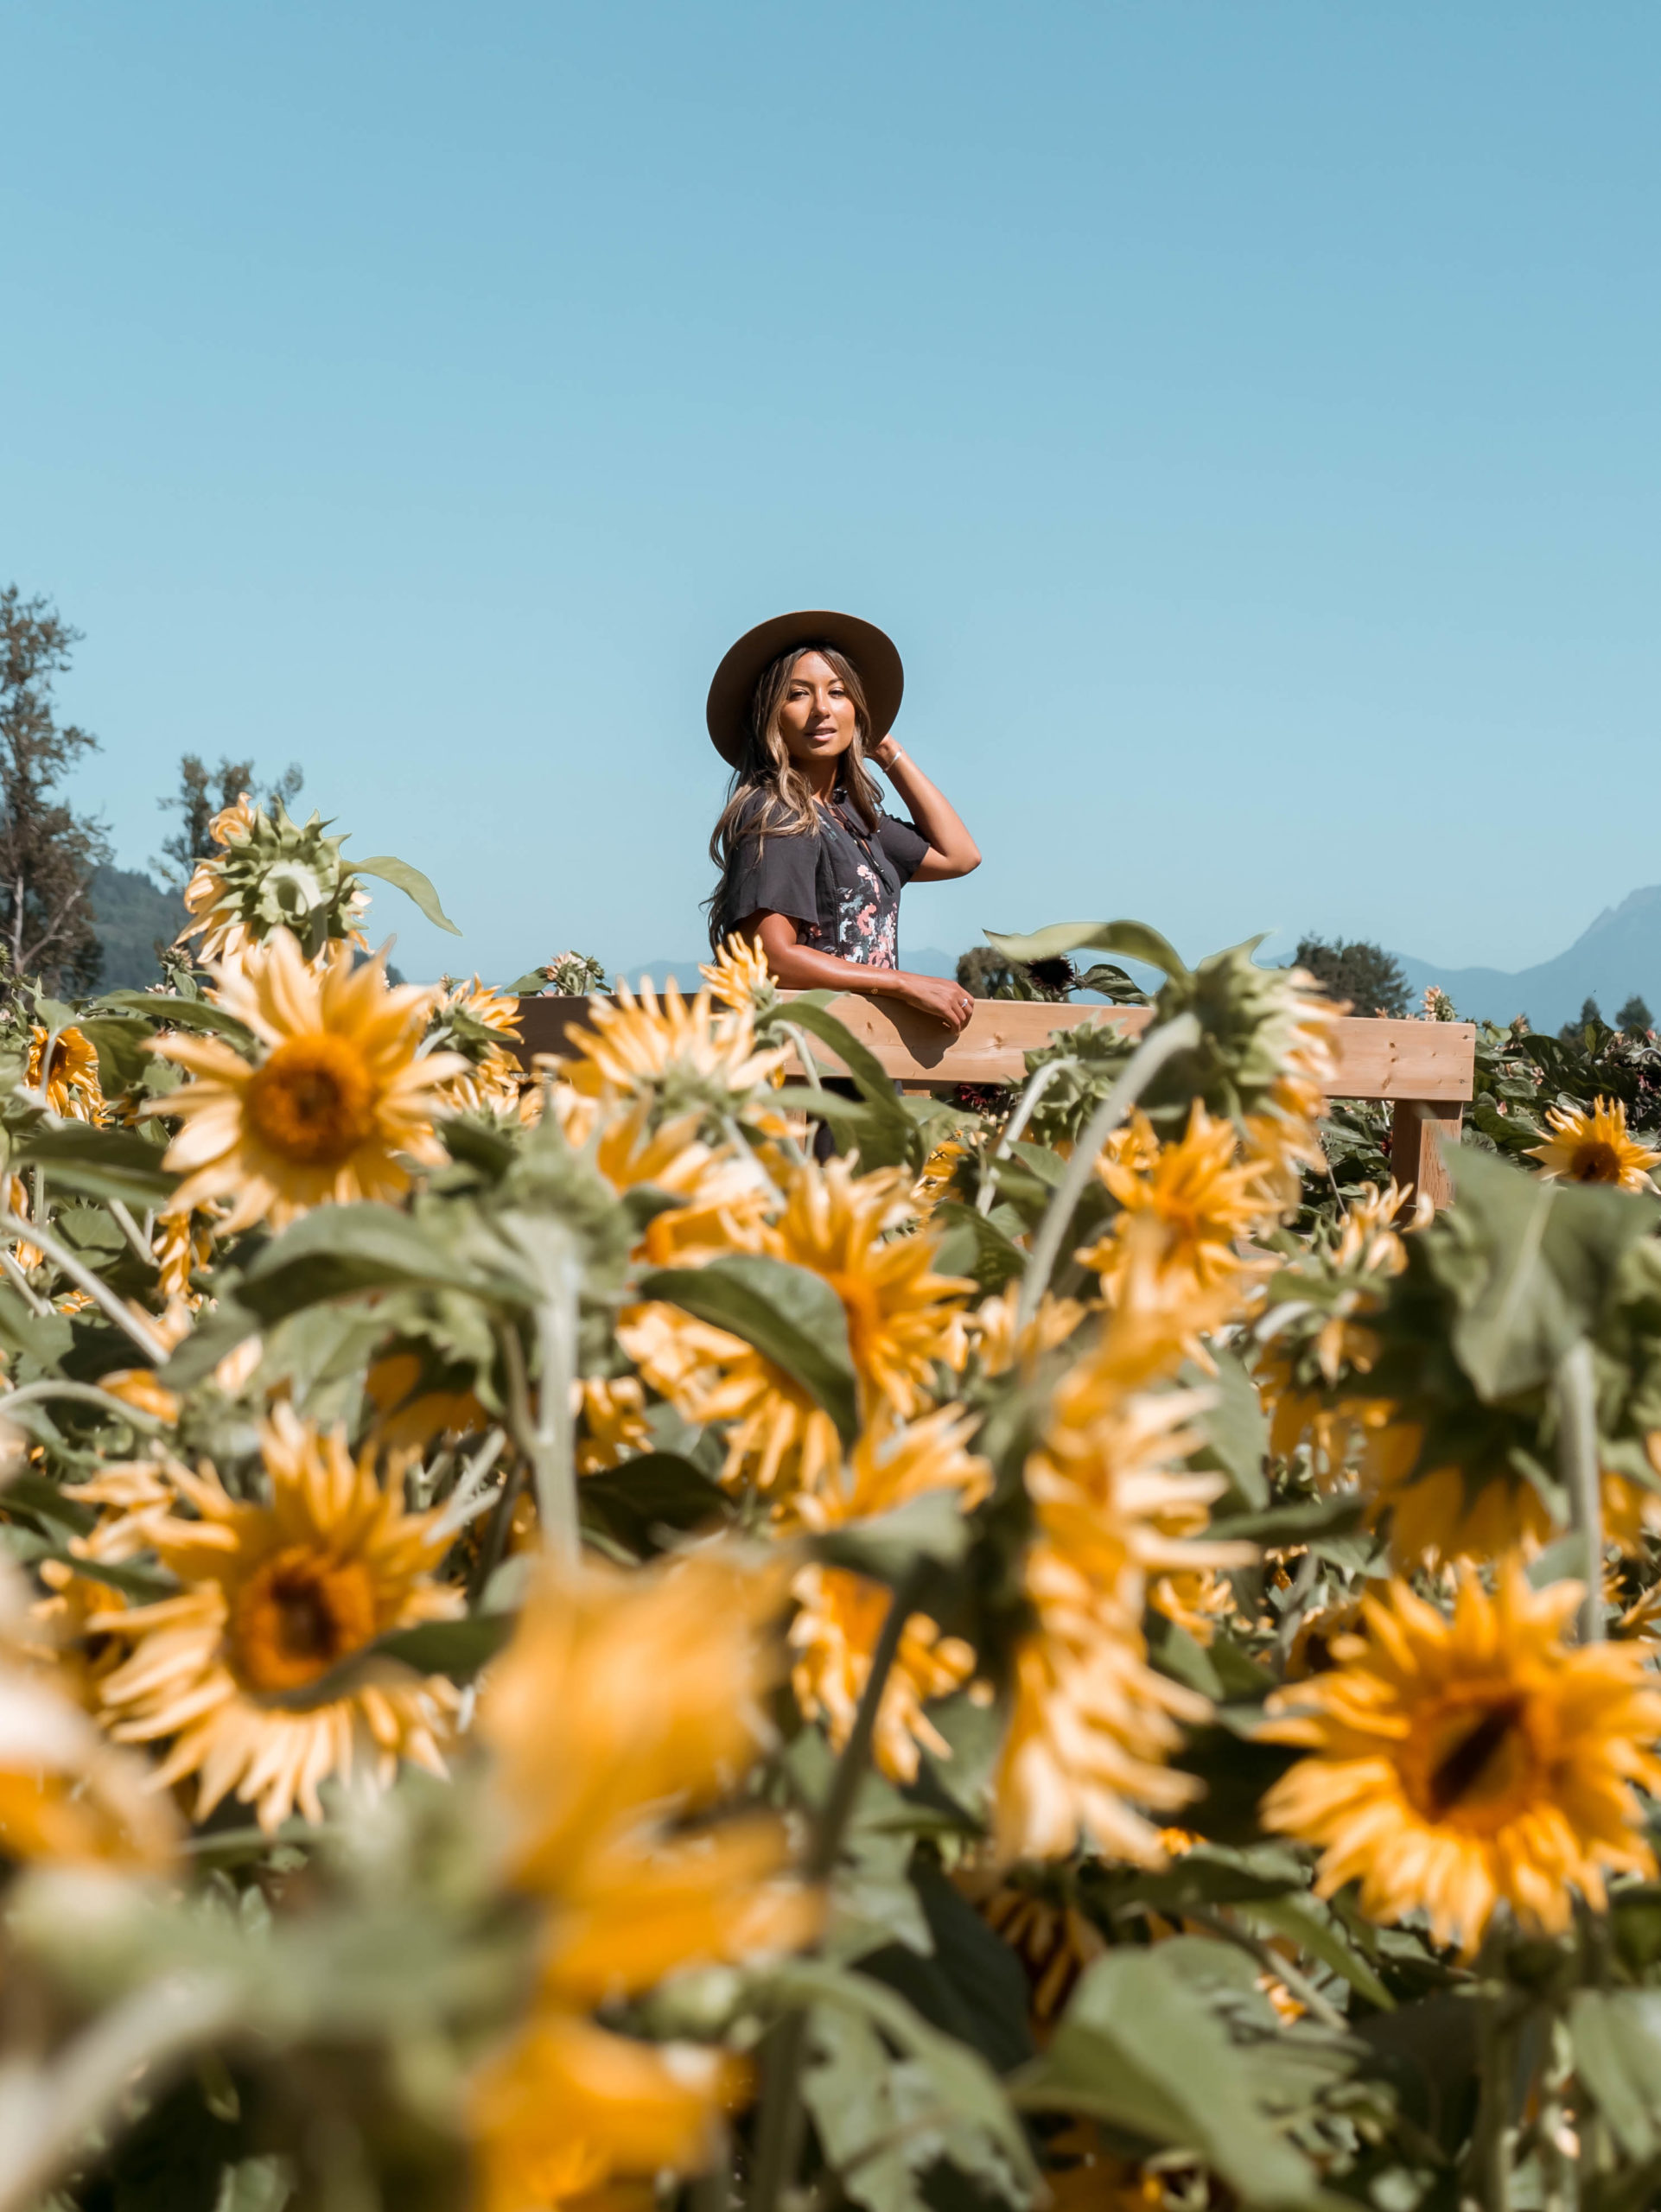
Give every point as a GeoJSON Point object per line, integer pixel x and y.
{"type": "Point", "coordinates": [841, 888]}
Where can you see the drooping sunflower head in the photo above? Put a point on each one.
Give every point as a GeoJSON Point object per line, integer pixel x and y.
{"type": "Point", "coordinates": [1458, 1762]}
{"type": "Point", "coordinates": [1595, 1147]}
{"type": "Point", "coordinates": [335, 1101]}
{"type": "Point", "coordinates": [271, 873]}
{"type": "Point", "coordinates": [275, 1596]}
{"type": "Point", "coordinates": [479, 1023]}
{"type": "Point", "coordinates": [66, 1077]}
{"type": "Point", "coordinates": [676, 1057]}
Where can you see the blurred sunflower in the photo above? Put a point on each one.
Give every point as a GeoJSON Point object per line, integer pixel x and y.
{"type": "Point", "coordinates": [1093, 1725]}
{"type": "Point", "coordinates": [1053, 1939]}
{"type": "Point", "coordinates": [1458, 1762]}
{"type": "Point", "coordinates": [1594, 1147]}
{"type": "Point", "coordinates": [180, 1246]}
{"type": "Point", "coordinates": [992, 1333]}
{"type": "Point", "coordinates": [901, 1318]}
{"type": "Point", "coordinates": [738, 975]}
{"type": "Point", "coordinates": [66, 1793]}
{"type": "Point", "coordinates": [840, 1615]}
{"type": "Point", "coordinates": [68, 1082]}
{"type": "Point", "coordinates": [1202, 1196]}
{"type": "Point", "coordinates": [274, 1597]}
{"type": "Point", "coordinates": [337, 1100]}
{"type": "Point", "coordinates": [722, 1194]}
{"type": "Point", "coordinates": [481, 1023]}
{"type": "Point", "coordinates": [411, 1408]}
{"type": "Point", "coordinates": [625, 1704]}
{"type": "Point", "coordinates": [611, 1423]}
{"type": "Point", "coordinates": [675, 1058]}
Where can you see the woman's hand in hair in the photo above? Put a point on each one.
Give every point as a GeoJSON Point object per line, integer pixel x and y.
{"type": "Point", "coordinates": [884, 751]}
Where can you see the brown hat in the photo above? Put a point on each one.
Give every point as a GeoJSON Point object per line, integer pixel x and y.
{"type": "Point", "coordinates": [727, 711]}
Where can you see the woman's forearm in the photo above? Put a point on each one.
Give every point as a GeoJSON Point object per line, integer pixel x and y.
{"type": "Point", "coordinates": [800, 967]}
{"type": "Point", "coordinates": [932, 812]}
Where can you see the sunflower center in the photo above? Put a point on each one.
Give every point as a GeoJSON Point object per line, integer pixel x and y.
{"type": "Point", "coordinates": [1595, 1162]}
{"type": "Point", "coordinates": [299, 1614]}
{"type": "Point", "coordinates": [313, 1102]}
{"type": "Point", "coordinates": [1477, 1765]}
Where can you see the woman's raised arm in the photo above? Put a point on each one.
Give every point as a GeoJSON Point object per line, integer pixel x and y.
{"type": "Point", "coordinates": [951, 851]}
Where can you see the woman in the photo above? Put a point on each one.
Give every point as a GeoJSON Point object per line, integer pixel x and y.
{"type": "Point", "coordinates": [811, 866]}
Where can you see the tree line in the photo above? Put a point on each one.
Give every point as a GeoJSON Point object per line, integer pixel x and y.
{"type": "Point", "coordinates": [49, 851]}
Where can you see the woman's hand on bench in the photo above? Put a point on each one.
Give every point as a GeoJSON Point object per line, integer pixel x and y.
{"type": "Point", "coordinates": [932, 994]}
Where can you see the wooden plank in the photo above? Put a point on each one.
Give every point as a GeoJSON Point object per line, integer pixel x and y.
{"type": "Point", "coordinates": [1434, 1061]}
{"type": "Point", "coordinates": [1418, 1130]}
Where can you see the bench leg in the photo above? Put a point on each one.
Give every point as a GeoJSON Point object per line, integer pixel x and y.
{"type": "Point", "coordinates": [1417, 1134]}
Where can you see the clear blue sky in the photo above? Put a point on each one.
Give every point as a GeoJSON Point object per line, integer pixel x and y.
{"type": "Point", "coordinates": [1244, 416]}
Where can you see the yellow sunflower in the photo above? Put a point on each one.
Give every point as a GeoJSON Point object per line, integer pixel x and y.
{"type": "Point", "coordinates": [1203, 1196]}
{"type": "Point", "coordinates": [992, 1333]}
{"type": "Point", "coordinates": [69, 1083]}
{"type": "Point", "coordinates": [180, 1245]}
{"type": "Point", "coordinates": [1595, 1147]}
{"type": "Point", "coordinates": [674, 1056]}
{"type": "Point", "coordinates": [1093, 1725]}
{"type": "Point", "coordinates": [337, 1100]}
{"type": "Point", "coordinates": [724, 1195]}
{"type": "Point", "coordinates": [611, 1423]}
{"type": "Point", "coordinates": [840, 1615]}
{"type": "Point", "coordinates": [274, 1597]}
{"type": "Point", "coordinates": [738, 975]}
{"type": "Point", "coordinates": [66, 1793]}
{"type": "Point", "coordinates": [409, 1416]}
{"type": "Point", "coordinates": [625, 1704]}
{"type": "Point", "coordinates": [490, 1084]}
{"type": "Point", "coordinates": [1456, 1762]}
{"type": "Point", "coordinates": [1051, 1937]}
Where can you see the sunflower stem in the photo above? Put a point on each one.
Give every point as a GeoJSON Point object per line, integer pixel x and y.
{"type": "Point", "coordinates": [1150, 1056]}
{"type": "Point", "coordinates": [1493, 2147]}
{"type": "Point", "coordinates": [1281, 1970]}
{"type": "Point", "coordinates": [1577, 1447]}
{"type": "Point", "coordinates": [778, 2132]}
{"type": "Point", "coordinates": [155, 1351]}
{"type": "Point", "coordinates": [85, 1394]}
{"type": "Point", "coordinates": [553, 1460]}
{"type": "Point", "coordinates": [1013, 1129]}
{"type": "Point", "coordinates": [129, 1228]}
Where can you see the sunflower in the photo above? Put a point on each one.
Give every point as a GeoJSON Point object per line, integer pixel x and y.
{"type": "Point", "coordinates": [673, 1058]}
{"type": "Point", "coordinates": [1458, 1762]}
{"type": "Point", "coordinates": [489, 1021]}
{"type": "Point", "coordinates": [337, 1094]}
{"type": "Point", "coordinates": [410, 1410]}
{"type": "Point", "coordinates": [1594, 1147]}
{"type": "Point", "coordinates": [1053, 1939]}
{"type": "Point", "coordinates": [274, 1597]}
{"type": "Point", "coordinates": [738, 975]}
{"type": "Point", "coordinates": [611, 1423]}
{"type": "Point", "coordinates": [992, 1334]}
{"type": "Point", "coordinates": [180, 1245]}
{"type": "Point", "coordinates": [841, 1614]}
{"type": "Point", "coordinates": [1093, 1725]}
{"type": "Point", "coordinates": [69, 1081]}
{"type": "Point", "coordinates": [901, 1317]}
{"type": "Point", "coordinates": [1203, 1196]}
{"type": "Point", "coordinates": [625, 1704]}
{"type": "Point", "coordinates": [721, 1195]}
{"type": "Point", "coordinates": [66, 1793]}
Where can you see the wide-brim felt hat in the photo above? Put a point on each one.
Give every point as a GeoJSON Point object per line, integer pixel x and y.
{"type": "Point", "coordinates": [873, 653]}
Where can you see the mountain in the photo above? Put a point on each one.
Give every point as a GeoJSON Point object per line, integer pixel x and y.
{"type": "Point", "coordinates": [1620, 954]}
{"type": "Point", "coordinates": [130, 912]}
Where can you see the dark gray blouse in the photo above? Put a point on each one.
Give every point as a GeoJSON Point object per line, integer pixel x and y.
{"type": "Point", "coordinates": [841, 888]}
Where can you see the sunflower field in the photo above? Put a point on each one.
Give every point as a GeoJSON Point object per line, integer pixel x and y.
{"type": "Point", "coordinates": [558, 1648]}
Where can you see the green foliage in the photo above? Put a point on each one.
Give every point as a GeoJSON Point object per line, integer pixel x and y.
{"type": "Point", "coordinates": [1366, 977]}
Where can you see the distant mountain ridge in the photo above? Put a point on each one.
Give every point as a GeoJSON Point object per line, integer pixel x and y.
{"type": "Point", "coordinates": [130, 912]}
{"type": "Point", "coordinates": [1620, 953]}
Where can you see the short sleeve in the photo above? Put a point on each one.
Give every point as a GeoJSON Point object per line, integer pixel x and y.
{"type": "Point", "coordinates": [904, 845]}
{"type": "Point", "coordinates": [776, 872]}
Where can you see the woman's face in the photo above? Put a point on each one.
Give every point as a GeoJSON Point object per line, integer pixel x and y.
{"type": "Point", "coordinates": [816, 718]}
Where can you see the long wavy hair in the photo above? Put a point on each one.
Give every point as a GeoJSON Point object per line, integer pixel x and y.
{"type": "Point", "coordinates": [769, 796]}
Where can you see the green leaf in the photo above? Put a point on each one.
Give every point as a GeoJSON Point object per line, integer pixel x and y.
{"type": "Point", "coordinates": [412, 882]}
{"type": "Point", "coordinates": [1312, 1926]}
{"type": "Point", "coordinates": [1132, 940]}
{"type": "Point", "coordinates": [167, 1012]}
{"type": "Point", "coordinates": [1300, 1521]}
{"type": "Point", "coordinates": [791, 1316]}
{"type": "Point", "coordinates": [968, 2096]}
{"type": "Point", "coordinates": [655, 1490]}
{"type": "Point", "coordinates": [1617, 2039]}
{"type": "Point", "coordinates": [932, 1527]}
{"type": "Point", "coordinates": [100, 1163]}
{"type": "Point", "coordinates": [120, 1045]}
{"type": "Point", "coordinates": [1141, 2049]}
{"type": "Point", "coordinates": [882, 1141]}
{"type": "Point", "coordinates": [974, 1245]}
{"type": "Point", "coordinates": [338, 1249]}
{"type": "Point", "coordinates": [1235, 1428]}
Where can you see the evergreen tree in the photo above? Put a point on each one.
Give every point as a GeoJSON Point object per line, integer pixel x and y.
{"type": "Point", "coordinates": [48, 851]}
{"type": "Point", "coordinates": [1590, 1017]}
{"type": "Point", "coordinates": [203, 792]}
{"type": "Point", "coordinates": [1635, 1019]}
{"type": "Point", "coordinates": [1368, 977]}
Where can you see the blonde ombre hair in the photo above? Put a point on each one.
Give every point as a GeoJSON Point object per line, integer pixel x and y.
{"type": "Point", "coordinates": [766, 772]}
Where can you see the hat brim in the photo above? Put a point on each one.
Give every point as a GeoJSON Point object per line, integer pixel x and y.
{"type": "Point", "coordinates": [873, 653]}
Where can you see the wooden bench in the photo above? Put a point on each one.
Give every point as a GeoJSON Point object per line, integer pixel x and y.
{"type": "Point", "coordinates": [1425, 1070]}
